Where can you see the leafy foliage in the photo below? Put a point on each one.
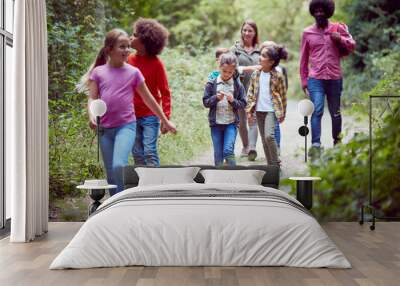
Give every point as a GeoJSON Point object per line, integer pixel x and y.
{"type": "Point", "coordinates": [345, 168]}
{"type": "Point", "coordinates": [72, 40]}
{"type": "Point", "coordinates": [73, 43]}
{"type": "Point", "coordinates": [187, 76]}
{"type": "Point", "coordinates": [375, 22]}
{"type": "Point", "coordinates": [210, 23]}
{"type": "Point", "coordinates": [75, 32]}
{"type": "Point", "coordinates": [375, 27]}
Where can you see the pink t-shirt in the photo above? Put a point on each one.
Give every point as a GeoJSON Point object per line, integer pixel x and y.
{"type": "Point", "coordinates": [319, 55]}
{"type": "Point", "coordinates": [116, 87]}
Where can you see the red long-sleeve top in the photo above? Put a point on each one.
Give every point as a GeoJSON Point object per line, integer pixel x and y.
{"type": "Point", "coordinates": [155, 77]}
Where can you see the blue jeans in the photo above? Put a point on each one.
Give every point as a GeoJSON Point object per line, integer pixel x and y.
{"type": "Point", "coordinates": [145, 149]}
{"type": "Point", "coordinates": [116, 144]}
{"type": "Point", "coordinates": [318, 88]}
{"type": "Point", "coordinates": [223, 138]}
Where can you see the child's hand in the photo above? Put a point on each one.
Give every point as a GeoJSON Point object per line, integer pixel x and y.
{"type": "Point", "coordinates": [335, 36]}
{"type": "Point", "coordinates": [168, 126]}
{"type": "Point", "coordinates": [306, 93]}
{"type": "Point", "coordinates": [163, 129]}
{"type": "Point", "coordinates": [220, 95]}
{"type": "Point", "coordinates": [92, 123]}
{"type": "Point", "coordinates": [229, 97]}
{"type": "Point", "coordinates": [281, 119]}
{"type": "Point", "coordinates": [251, 118]}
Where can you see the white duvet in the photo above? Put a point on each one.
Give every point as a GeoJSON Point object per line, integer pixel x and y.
{"type": "Point", "coordinates": [183, 231]}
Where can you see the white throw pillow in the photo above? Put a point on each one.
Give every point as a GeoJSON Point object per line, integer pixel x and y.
{"type": "Point", "coordinates": [248, 177]}
{"type": "Point", "coordinates": [166, 176]}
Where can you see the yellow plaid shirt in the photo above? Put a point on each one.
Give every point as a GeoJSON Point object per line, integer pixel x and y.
{"type": "Point", "coordinates": [278, 92]}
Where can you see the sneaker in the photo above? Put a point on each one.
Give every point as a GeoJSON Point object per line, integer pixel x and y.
{"type": "Point", "coordinates": [252, 155]}
{"type": "Point", "coordinates": [245, 152]}
{"type": "Point", "coordinates": [337, 142]}
{"type": "Point", "coordinates": [314, 152]}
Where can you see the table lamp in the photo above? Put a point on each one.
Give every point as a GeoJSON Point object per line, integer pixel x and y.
{"type": "Point", "coordinates": [98, 108]}
{"type": "Point", "coordinates": [305, 108]}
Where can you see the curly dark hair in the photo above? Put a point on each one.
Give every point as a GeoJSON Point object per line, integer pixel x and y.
{"type": "Point", "coordinates": [327, 5]}
{"type": "Point", "coordinates": [152, 34]}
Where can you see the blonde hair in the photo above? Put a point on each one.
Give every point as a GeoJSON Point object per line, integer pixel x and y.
{"type": "Point", "coordinates": [102, 56]}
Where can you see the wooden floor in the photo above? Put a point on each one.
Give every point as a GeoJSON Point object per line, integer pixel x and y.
{"type": "Point", "coordinates": [374, 255]}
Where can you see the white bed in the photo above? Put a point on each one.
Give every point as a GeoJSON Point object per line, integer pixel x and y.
{"type": "Point", "coordinates": [201, 224]}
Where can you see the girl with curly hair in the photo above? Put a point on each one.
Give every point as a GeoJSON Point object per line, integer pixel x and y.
{"type": "Point", "coordinates": [149, 38]}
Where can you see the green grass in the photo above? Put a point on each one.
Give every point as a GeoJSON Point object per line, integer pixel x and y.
{"type": "Point", "coordinates": [187, 76]}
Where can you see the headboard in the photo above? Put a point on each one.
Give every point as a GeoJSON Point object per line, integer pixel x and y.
{"type": "Point", "coordinates": [270, 179]}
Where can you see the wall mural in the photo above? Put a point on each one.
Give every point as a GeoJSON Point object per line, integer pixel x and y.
{"type": "Point", "coordinates": [213, 87]}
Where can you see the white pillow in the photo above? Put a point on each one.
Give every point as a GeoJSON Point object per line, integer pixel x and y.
{"type": "Point", "coordinates": [248, 177]}
{"type": "Point", "coordinates": [164, 176]}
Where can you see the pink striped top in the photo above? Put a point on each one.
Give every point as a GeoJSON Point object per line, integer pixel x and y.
{"type": "Point", "coordinates": [319, 54]}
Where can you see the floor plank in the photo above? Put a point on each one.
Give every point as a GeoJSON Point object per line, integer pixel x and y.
{"type": "Point", "coordinates": [374, 255]}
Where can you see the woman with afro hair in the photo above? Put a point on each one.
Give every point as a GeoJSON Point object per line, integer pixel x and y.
{"type": "Point", "coordinates": [149, 38]}
{"type": "Point", "coordinates": [320, 70]}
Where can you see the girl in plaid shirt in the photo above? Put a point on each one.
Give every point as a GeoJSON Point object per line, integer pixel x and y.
{"type": "Point", "coordinates": [267, 96]}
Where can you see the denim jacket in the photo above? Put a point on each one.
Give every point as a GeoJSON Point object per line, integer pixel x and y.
{"type": "Point", "coordinates": [210, 99]}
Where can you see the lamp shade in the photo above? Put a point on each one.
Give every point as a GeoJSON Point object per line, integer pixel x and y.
{"type": "Point", "coordinates": [98, 107]}
{"type": "Point", "coordinates": [305, 107]}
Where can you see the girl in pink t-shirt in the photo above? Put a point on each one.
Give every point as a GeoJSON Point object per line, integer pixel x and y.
{"type": "Point", "coordinates": [114, 81]}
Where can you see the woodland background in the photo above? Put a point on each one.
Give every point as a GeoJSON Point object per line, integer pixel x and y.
{"type": "Point", "coordinates": [197, 27]}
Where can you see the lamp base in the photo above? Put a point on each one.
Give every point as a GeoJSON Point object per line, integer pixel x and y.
{"type": "Point", "coordinates": [96, 195]}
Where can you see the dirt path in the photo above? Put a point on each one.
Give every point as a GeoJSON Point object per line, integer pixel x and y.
{"type": "Point", "coordinates": [292, 144]}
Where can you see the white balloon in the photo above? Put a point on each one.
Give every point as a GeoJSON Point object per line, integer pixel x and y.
{"type": "Point", "coordinates": [98, 107]}
{"type": "Point", "coordinates": [305, 107]}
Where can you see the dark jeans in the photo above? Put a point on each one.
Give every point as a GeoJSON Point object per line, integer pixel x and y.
{"type": "Point", "coordinates": [223, 137]}
{"type": "Point", "coordinates": [145, 149]}
{"type": "Point", "coordinates": [318, 88]}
